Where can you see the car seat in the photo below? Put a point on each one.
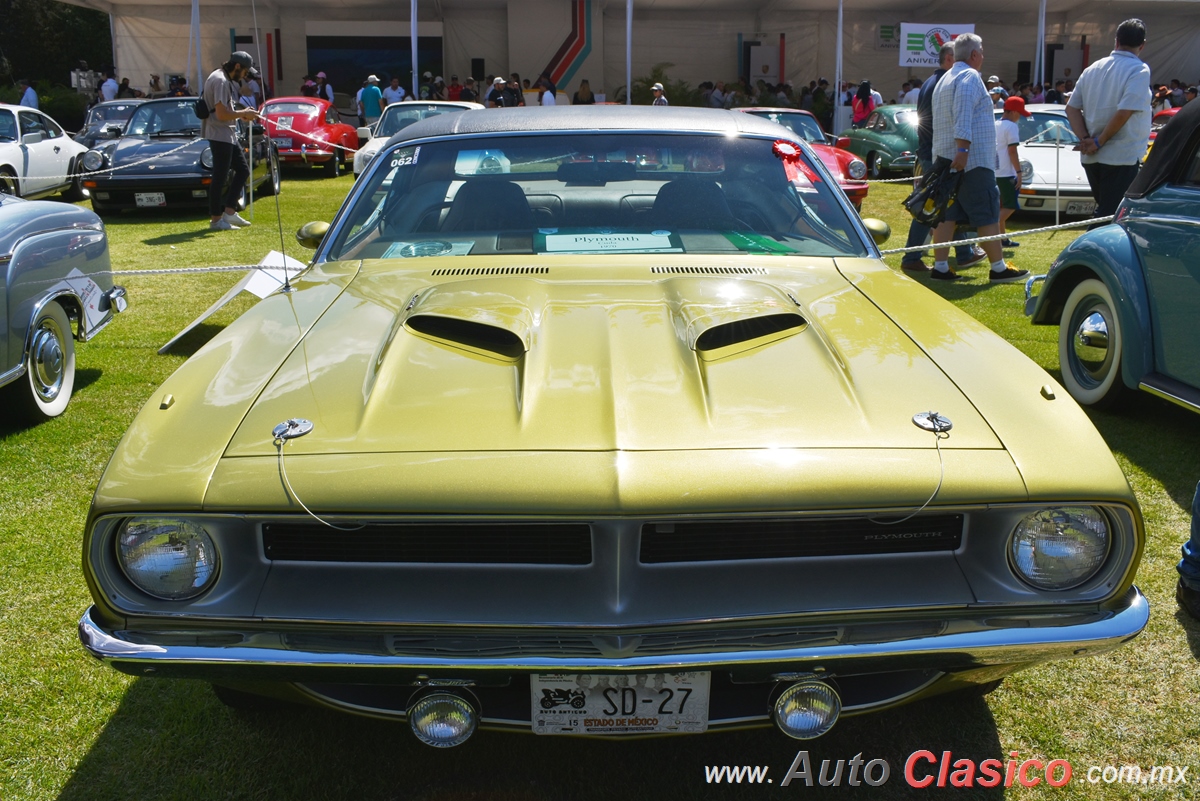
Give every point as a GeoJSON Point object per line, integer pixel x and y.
{"type": "Point", "coordinates": [692, 203]}
{"type": "Point", "coordinates": [489, 206]}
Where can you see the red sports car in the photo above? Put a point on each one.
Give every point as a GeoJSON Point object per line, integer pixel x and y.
{"type": "Point", "coordinates": [848, 168]}
{"type": "Point", "coordinates": [305, 129]}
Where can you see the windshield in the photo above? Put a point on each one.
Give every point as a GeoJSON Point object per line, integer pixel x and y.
{"type": "Point", "coordinates": [803, 125]}
{"type": "Point", "coordinates": [1042, 127]}
{"type": "Point", "coordinates": [594, 193]}
{"type": "Point", "coordinates": [167, 117]}
{"type": "Point", "coordinates": [290, 108]}
{"type": "Point", "coordinates": [8, 126]}
{"type": "Point", "coordinates": [113, 113]}
{"type": "Point", "coordinates": [399, 117]}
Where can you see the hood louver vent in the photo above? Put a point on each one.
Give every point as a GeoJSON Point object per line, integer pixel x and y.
{"type": "Point", "coordinates": [708, 270]}
{"type": "Point", "coordinates": [478, 337]}
{"type": "Point", "coordinates": [492, 271]}
{"type": "Point", "coordinates": [722, 339]}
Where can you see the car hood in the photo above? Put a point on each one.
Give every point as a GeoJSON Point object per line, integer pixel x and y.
{"type": "Point", "coordinates": [519, 384]}
{"type": "Point", "coordinates": [138, 148]}
{"type": "Point", "coordinates": [1042, 157]}
{"type": "Point", "coordinates": [401, 363]}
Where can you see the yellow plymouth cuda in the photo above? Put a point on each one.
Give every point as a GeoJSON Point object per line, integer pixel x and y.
{"type": "Point", "coordinates": [606, 421]}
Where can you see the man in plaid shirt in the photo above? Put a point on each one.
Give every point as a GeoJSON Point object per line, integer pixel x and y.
{"type": "Point", "coordinates": [964, 133]}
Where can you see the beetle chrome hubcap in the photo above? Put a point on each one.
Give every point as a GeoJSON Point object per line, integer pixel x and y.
{"type": "Point", "coordinates": [1090, 342]}
{"type": "Point", "coordinates": [46, 361]}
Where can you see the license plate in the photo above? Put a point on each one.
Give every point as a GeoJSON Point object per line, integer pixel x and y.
{"type": "Point", "coordinates": [1081, 207]}
{"type": "Point", "coordinates": [643, 704]}
{"type": "Point", "coordinates": [150, 198]}
{"type": "Point", "coordinates": [282, 142]}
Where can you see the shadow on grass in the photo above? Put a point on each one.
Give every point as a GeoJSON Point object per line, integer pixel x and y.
{"type": "Point", "coordinates": [173, 739]}
{"type": "Point", "coordinates": [180, 238]}
{"type": "Point", "coordinates": [13, 424]}
{"type": "Point", "coordinates": [1191, 628]}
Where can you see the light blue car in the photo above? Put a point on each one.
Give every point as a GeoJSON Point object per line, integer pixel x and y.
{"type": "Point", "coordinates": [1126, 296]}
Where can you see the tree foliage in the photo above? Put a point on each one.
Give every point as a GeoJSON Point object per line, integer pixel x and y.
{"type": "Point", "coordinates": [44, 40]}
{"type": "Point", "coordinates": [679, 93]}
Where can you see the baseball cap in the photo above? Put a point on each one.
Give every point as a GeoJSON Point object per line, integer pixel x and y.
{"type": "Point", "coordinates": [372, 79]}
{"type": "Point", "coordinates": [1018, 105]}
{"type": "Point", "coordinates": [322, 75]}
{"type": "Point", "coordinates": [657, 86]}
{"type": "Point", "coordinates": [996, 91]}
{"type": "Point", "coordinates": [454, 77]}
{"type": "Point", "coordinates": [993, 79]}
{"type": "Point", "coordinates": [500, 81]}
{"type": "Point", "coordinates": [438, 79]}
{"type": "Point", "coordinates": [427, 75]}
{"type": "Point", "coordinates": [243, 58]}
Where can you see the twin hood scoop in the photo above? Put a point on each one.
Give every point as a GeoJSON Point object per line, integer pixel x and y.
{"type": "Point", "coordinates": [522, 363]}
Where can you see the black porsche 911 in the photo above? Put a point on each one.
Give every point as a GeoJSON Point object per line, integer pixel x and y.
{"type": "Point", "coordinates": [160, 160]}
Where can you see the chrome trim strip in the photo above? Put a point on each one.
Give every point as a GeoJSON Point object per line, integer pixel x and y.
{"type": "Point", "coordinates": [13, 374]}
{"type": "Point", "coordinates": [1009, 637]}
{"type": "Point", "coordinates": [1159, 392]}
{"type": "Point", "coordinates": [1156, 218]}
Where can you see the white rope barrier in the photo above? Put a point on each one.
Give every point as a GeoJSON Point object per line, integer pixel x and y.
{"type": "Point", "coordinates": [281, 127]}
{"type": "Point", "coordinates": [1008, 235]}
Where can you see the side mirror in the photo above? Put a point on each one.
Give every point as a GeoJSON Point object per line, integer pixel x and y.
{"type": "Point", "coordinates": [257, 129]}
{"type": "Point", "coordinates": [364, 134]}
{"type": "Point", "coordinates": [31, 138]}
{"type": "Point", "coordinates": [112, 131]}
{"type": "Point", "coordinates": [879, 230]}
{"type": "Point", "coordinates": [843, 142]}
{"type": "Point", "coordinates": [311, 234]}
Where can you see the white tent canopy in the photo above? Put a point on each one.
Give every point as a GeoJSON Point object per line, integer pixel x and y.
{"type": "Point", "coordinates": [698, 37]}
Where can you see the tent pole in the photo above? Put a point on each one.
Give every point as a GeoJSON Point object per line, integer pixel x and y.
{"type": "Point", "coordinates": [837, 72]}
{"type": "Point", "coordinates": [416, 78]}
{"type": "Point", "coordinates": [629, 52]}
{"type": "Point", "coordinates": [1039, 61]}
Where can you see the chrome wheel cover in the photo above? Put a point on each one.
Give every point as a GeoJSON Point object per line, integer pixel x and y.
{"type": "Point", "coordinates": [47, 360]}
{"type": "Point", "coordinates": [1091, 358]}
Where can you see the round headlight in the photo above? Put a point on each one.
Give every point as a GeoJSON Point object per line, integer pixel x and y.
{"type": "Point", "coordinates": [93, 160]}
{"type": "Point", "coordinates": [168, 558]}
{"type": "Point", "coordinates": [206, 158]}
{"type": "Point", "coordinates": [1026, 172]}
{"type": "Point", "coordinates": [857, 169]}
{"type": "Point", "coordinates": [1060, 548]}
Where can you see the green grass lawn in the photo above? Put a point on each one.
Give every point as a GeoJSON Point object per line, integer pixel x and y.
{"type": "Point", "coordinates": [71, 728]}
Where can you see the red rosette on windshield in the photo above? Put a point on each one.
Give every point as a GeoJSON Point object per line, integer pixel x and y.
{"type": "Point", "coordinates": [797, 171]}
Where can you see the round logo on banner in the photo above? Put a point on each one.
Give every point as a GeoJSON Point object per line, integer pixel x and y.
{"type": "Point", "coordinates": [934, 39]}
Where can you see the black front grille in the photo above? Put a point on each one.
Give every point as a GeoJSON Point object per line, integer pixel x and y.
{"type": "Point", "coordinates": [722, 540]}
{"type": "Point", "coordinates": [490, 543]}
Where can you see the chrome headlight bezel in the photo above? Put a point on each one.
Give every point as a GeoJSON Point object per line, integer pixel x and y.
{"type": "Point", "coordinates": [1062, 528]}
{"type": "Point", "coordinates": [206, 158]}
{"type": "Point", "coordinates": [159, 541]}
{"type": "Point", "coordinates": [93, 160]}
{"type": "Point", "coordinates": [857, 169]}
{"type": "Point", "coordinates": [1027, 174]}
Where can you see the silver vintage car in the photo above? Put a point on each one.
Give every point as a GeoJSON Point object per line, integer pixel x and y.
{"type": "Point", "coordinates": [56, 287]}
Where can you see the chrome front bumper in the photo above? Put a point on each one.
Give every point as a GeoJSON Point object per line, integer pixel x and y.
{"type": "Point", "coordinates": [1000, 638]}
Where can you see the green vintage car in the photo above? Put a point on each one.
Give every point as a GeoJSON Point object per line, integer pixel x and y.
{"type": "Point", "coordinates": [888, 141]}
{"type": "Point", "coordinates": [612, 422]}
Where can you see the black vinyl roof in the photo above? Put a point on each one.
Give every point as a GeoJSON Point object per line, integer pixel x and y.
{"type": "Point", "coordinates": [593, 119]}
{"type": "Point", "coordinates": [1175, 140]}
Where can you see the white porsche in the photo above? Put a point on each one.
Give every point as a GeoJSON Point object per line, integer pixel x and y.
{"type": "Point", "coordinates": [1052, 175]}
{"type": "Point", "coordinates": [37, 158]}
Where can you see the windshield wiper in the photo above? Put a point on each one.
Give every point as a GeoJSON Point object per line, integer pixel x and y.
{"type": "Point", "coordinates": [183, 132]}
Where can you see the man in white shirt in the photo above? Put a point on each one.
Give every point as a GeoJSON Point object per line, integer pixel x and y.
{"type": "Point", "coordinates": [28, 96]}
{"type": "Point", "coordinates": [1008, 169]}
{"type": "Point", "coordinates": [109, 89]}
{"type": "Point", "coordinates": [394, 93]}
{"type": "Point", "coordinates": [913, 93]}
{"type": "Point", "coordinates": [1110, 112]}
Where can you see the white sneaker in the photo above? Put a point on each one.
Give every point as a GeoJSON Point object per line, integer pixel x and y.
{"type": "Point", "coordinates": [235, 219]}
{"type": "Point", "coordinates": [220, 225]}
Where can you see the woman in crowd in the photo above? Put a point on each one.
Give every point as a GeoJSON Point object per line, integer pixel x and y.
{"type": "Point", "coordinates": [584, 96]}
{"type": "Point", "coordinates": [862, 104]}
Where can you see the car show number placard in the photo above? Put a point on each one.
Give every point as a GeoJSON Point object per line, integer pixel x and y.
{"type": "Point", "coordinates": [565, 703]}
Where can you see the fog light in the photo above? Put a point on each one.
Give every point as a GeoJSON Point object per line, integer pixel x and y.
{"type": "Point", "coordinates": [807, 709]}
{"type": "Point", "coordinates": [442, 719]}
{"type": "Point", "coordinates": [199, 193]}
{"type": "Point", "coordinates": [1035, 202]}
